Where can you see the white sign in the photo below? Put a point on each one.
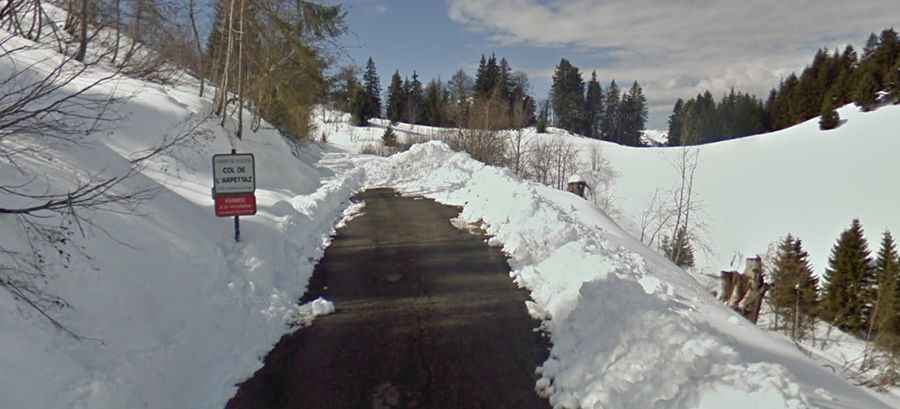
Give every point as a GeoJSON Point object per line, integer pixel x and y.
{"type": "Point", "coordinates": [234, 173]}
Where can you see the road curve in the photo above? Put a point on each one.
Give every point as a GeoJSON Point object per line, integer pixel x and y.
{"type": "Point", "coordinates": [427, 317]}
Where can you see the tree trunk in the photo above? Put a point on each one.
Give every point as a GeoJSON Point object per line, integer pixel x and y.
{"type": "Point", "coordinates": [82, 43]}
{"type": "Point", "coordinates": [240, 129]}
{"type": "Point", "coordinates": [118, 8]}
{"type": "Point", "coordinates": [200, 70]}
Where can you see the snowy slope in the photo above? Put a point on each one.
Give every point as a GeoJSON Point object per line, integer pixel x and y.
{"type": "Point", "coordinates": [173, 311]}
{"type": "Point", "coordinates": [629, 329]}
{"type": "Point", "coordinates": [800, 180]}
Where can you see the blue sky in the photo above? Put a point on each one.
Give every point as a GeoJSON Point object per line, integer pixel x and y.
{"type": "Point", "coordinates": [674, 48]}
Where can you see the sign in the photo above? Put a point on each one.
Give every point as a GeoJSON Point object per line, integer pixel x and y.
{"type": "Point", "coordinates": [234, 173]}
{"type": "Point", "coordinates": [241, 204]}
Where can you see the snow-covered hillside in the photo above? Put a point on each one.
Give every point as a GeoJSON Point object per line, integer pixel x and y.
{"type": "Point", "coordinates": [800, 180]}
{"type": "Point", "coordinates": [173, 311]}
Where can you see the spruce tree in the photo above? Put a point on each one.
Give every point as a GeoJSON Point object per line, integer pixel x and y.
{"type": "Point", "coordinates": [372, 85]}
{"type": "Point", "coordinates": [543, 118]}
{"type": "Point", "coordinates": [505, 79]}
{"type": "Point", "coordinates": [849, 277]}
{"type": "Point", "coordinates": [395, 99]}
{"type": "Point", "coordinates": [675, 123]}
{"type": "Point", "coordinates": [389, 138]}
{"type": "Point", "coordinates": [794, 287]}
{"type": "Point", "coordinates": [866, 91]}
{"type": "Point", "coordinates": [679, 249]}
{"type": "Point", "coordinates": [611, 119]}
{"type": "Point", "coordinates": [594, 108]}
{"type": "Point", "coordinates": [887, 313]}
{"type": "Point", "coordinates": [567, 96]}
{"type": "Point", "coordinates": [830, 118]}
{"type": "Point", "coordinates": [892, 82]}
{"type": "Point", "coordinates": [414, 100]}
{"type": "Point", "coordinates": [433, 104]}
{"type": "Point", "coordinates": [359, 105]}
{"type": "Point", "coordinates": [481, 78]}
{"type": "Point", "coordinates": [633, 116]}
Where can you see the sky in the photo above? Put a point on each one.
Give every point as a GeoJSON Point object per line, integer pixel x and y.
{"type": "Point", "coordinates": [674, 48]}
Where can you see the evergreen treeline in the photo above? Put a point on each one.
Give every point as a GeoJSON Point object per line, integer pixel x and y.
{"type": "Point", "coordinates": [615, 116]}
{"type": "Point", "coordinates": [832, 80]}
{"type": "Point", "coordinates": [860, 294]}
{"type": "Point", "coordinates": [497, 98]}
{"type": "Point", "coordinates": [703, 120]}
{"type": "Point", "coordinates": [837, 79]}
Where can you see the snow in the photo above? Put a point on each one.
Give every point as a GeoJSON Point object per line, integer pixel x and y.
{"type": "Point", "coordinates": [800, 180]}
{"type": "Point", "coordinates": [307, 313]}
{"type": "Point", "coordinates": [654, 137]}
{"type": "Point", "coordinates": [173, 311]}
{"type": "Point", "coordinates": [629, 329]}
{"type": "Point", "coordinates": [576, 178]}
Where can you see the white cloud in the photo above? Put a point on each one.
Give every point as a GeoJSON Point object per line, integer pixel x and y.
{"type": "Point", "coordinates": [677, 48]}
{"type": "Point", "coordinates": [381, 8]}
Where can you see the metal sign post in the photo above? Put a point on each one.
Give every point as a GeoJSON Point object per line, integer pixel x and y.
{"type": "Point", "coordinates": [234, 187]}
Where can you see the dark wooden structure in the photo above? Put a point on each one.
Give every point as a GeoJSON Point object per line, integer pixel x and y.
{"type": "Point", "coordinates": [745, 292]}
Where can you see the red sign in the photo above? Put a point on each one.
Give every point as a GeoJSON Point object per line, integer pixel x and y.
{"type": "Point", "coordinates": [236, 205]}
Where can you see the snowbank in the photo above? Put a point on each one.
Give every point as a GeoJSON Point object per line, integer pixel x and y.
{"type": "Point", "coordinates": [629, 329]}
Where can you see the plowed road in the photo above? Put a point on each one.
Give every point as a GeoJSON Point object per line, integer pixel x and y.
{"type": "Point", "coordinates": [427, 317]}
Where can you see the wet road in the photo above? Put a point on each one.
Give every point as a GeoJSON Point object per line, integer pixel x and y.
{"type": "Point", "coordinates": [427, 317]}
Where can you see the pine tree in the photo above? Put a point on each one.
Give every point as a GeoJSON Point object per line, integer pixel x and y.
{"type": "Point", "coordinates": [396, 99]}
{"type": "Point", "coordinates": [433, 104]}
{"type": "Point", "coordinates": [481, 78]}
{"type": "Point", "coordinates": [830, 118]}
{"type": "Point", "coordinates": [505, 80]}
{"type": "Point", "coordinates": [679, 250]}
{"type": "Point", "coordinates": [865, 93]}
{"type": "Point", "coordinates": [887, 319]}
{"type": "Point", "coordinates": [594, 108]}
{"type": "Point", "coordinates": [633, 116]}
{"type": "Point", "coordinates": [567, 96]}
{"type": "Point", "coordinates": [794, 287]}
{"type": "Point", "coordinates": [611, 119]}
{"type": "Point", "coordinates": [359, 105]}
{"type": "Point", "coordinates": [414, 100]}
{"type": "Point", "coordinates": [543, 118]}
{"type": "Point", "coordinates": [850, 278]}
{"type": "Point", "coordinates": [872, 44]}
{"type": "Point", "coordinates": [389, 138]}
{"type": "Point", "coordinates": [675, 123]}
{"type": "Point", "coordinates": [373, 90]}
{"type": "Point", "coordinates": [892, 81]}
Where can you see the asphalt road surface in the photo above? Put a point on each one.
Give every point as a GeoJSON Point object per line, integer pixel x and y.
{"type": "Point", "coordinates": [427, 317]}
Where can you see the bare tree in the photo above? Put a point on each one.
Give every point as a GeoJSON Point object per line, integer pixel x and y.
{"type": "Point", "coordinates": [47, 106]}
{"type": "Point", "coordinates": [200, 60]}
{"type": "Point", "coordinates": [83, 29]}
